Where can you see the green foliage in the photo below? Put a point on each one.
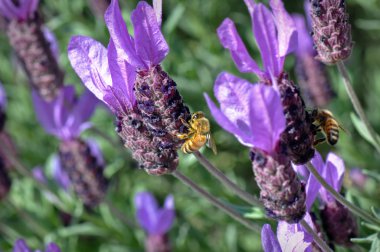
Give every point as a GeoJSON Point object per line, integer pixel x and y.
{"type": "Point", "coordinates": [195, 59]}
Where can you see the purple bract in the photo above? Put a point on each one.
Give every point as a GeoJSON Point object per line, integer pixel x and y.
{"type": "Point", "coordinates": [21, 246]}
{"type": "Point", "coordinates": [21, 12]}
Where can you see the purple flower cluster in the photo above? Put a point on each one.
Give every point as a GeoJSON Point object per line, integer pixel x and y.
{"type": "Point", "coordinates": [129, 79]}
{"type": "Point", "coordinates": [21, 246]}
{"type": "Point", "coordinates": [155, 221]}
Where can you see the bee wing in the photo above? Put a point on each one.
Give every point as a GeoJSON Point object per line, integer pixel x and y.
{"type": "Point", "coordinates": [211, 143]}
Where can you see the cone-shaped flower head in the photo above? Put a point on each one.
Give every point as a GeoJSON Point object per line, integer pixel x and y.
{"type": "Point", "coordinates": [3, 106]}
{"type": "Point", "coordinates": [108, 75]}
{"type": "Point", "coordinates": [311, 73]}
{"type": "Point", "coordinates": [85, 168]}
{"type": "Point", "coordinates": [254, 114]}
{"type": "Point", "coordinates": [276, 36]}
{"type": "Point", "coordinates": [155, 221]}
{"type": "Point", "coordinates": [27, 36]}
{"type": "Point", "coordinates": [290, 237]}
{"type": "Point", "coordinates": [339, 224]}
{"type": "Point", "coordinates": [331, 30]}
{"type": "Point", "coordinates": [23, 10]}
{"type": "Point", "coordinates": [21, 246]}
{"type": "Point", "coordinates": [157, 97]}
{"type": "Point", "coordinates": [66, 116]}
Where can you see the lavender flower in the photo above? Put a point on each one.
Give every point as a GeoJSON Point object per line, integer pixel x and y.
{"type": "Point", "coordinates": [331, 30]}
{"type": "Point", "coordinates": [21, 246]}
{"type": "Point", "coordinates": [106, 74]}
{"type": "Point", "coordinates": [290, 237]}
{"type": "Point", "coordinates": [66, 117]}
{"type": "Point", "coordinates": [156, 94]}
{"type": "Point", "coordinates": [3, 106]}
{"type": "Point", "coordinates": [253, 113]}
{"type": "Point", "coordinates": [59, 174]}
{"type": "Point", "coordinates": [26, 36]}
{"type": "Point", "coordinates": [155, 221]}
{"type": "Point", "coordinates": [338, 222]}
{"type": "Point", "coordinates": [311, 74]}
{"type": "Point", "coordinates": [276, 36]}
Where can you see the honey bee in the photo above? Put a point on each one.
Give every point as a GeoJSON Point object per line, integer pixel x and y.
{"type": "Point", "coordinates": [198, 134]}
{"type": "Point", "coordinates": [323, 120]}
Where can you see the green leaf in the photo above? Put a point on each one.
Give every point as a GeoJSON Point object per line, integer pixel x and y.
{"type": "Point", "coordinates": [371, 226]}
{"type": "Point", "coordinates": [367, 239]}
{"type": "Point", "coordinates": [360, 127]}
{"type": "Point", "coordinates": [375, 247]}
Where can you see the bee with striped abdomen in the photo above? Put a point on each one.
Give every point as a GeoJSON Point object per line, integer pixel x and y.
{"type": "Point", "coordinates": [198, 134]}
{"type": "Point", "coordinates": [323, 120]}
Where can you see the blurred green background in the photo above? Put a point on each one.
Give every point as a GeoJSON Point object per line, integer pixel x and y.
{"type": "Point", "coordinates": [195, 59]}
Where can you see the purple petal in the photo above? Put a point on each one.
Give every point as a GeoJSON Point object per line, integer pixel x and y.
{"type": "Point", "coordinates": [286, 29]}
{"type": "Point", "coordinates": [165, 218]}
{"type": "Point", "coordinates": [52, 247]}
{"type": "Point", "coordinates": [123, 76]}
{"type": "Point", "coordinates": [88, 57]}
{"type": "Point", "coordinates": [39, 174]}
{"type": "Point", "coordinates": [21, 246]}
{"type": "Point", "coordinates": [269, 241]}
{"type": "Point", "coordinates": [157, 6]}
{"type": "Point", "coordinates": [149, 42]}
{"type": "Point", "coordinates": [267, 117]}
{"type": "Point", "coordinates": [96, 151]}
{"type": "Point", "coordinates": [292, 237]}
{"type": "Point", "coordinates": [265, 33]}
{"type": "Point", "coordinates": [169, 202]}
{"type": "Point", "coordinates": [305, 43]}
{"type": "Point", "coordinates": [3, 98]}
{"type": "Point", "coordinates": [9, 10]}
{"type": "Point", "coordinates": [120, 36]}
{"type": "Point", "coordinates": [53, 44]}
{"type": "Point", "coordinates": [146, 211]}
{"type": "Point", "coordinates": [44, 113]}
{"type": "Point", "coordinates": [250, 5]}
{"type": "Point", "coordinates": [225, 122]}
{"type": "Point", "coordinates": [60, 176]}
{"type": "Point", "coordinates": [233, 95]}
{"type": "Point", "coordinates": [333, 174]}
{"type": "Point", "coordinates": [302, 171]}
{"type": "Point", "coordinates": [312, 185]}
{"type": "Point", "coordinates": [231, 40]}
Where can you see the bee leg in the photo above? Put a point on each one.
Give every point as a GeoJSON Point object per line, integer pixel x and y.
{"type": "Point", "coordinates": [319, 141]}
{"type": "Point", "coordinates": [183, 136]}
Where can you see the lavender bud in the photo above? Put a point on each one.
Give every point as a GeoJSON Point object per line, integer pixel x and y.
{"type": "Point", "coordinates": [297, 139]}
{"type": "Point", "coordinates": [331, 30]}
{"type": "Point", "coordinates": [155, 156]}
{"type": "Point", "coordinates": [339, 223]}
{"type": "Point", "coordinates": [157, 243]}
{"type": "Point", "coordinates": [313, 81]}
{"type": "Point", "coordinates": [282, 193]}
{"type": "Point", "coordinates": [161, 105]}
{"type": "Point", "coordinates": [32, 48]}
{"type": "Point", "coordinates": [86, 175]}
{"type": "Point", "coordinates": [5, 182]}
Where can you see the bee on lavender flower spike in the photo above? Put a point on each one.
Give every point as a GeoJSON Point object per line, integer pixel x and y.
{"type": "Point", "coordinates": [323, 120]}
{"type": "Point", "coordinates": [198, 134]}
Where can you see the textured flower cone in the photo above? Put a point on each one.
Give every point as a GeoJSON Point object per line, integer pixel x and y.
{"type": "Point", "coordinates": [99, 7]}
{"type": "Point", "coordinates": [331, 30]}
{"type": "Point", "coordinates": [297, 138]}
{"type": "Point", "coordinates": [312, 78]}
{"type": "Point", "coordinates": [32, 48]}
{"type": "Point", "coordinates": [85, 174]}
{"type": "Point", "coordinates": [161, 106]}
{"type": "Point", "coordinates": [157, 243]}
{"type": "Point", "coordinates": [152, 154]}
{"type": "Point", "coordinates": [5, 182]}
{"type": "Point", "coordinates": [339, 223]}
{"type": "Point", "coordinates": [282, 193]}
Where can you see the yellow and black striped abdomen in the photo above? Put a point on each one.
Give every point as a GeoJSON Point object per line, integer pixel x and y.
{"type": "Point", "coordinates": [194, 143]}
{"type": "Point", "coordinates": [332, 131]}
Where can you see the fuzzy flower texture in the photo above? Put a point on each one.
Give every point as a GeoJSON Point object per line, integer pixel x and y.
{"type": "Point", "coordinates": [128, 78]}
{"type": "Point", "coordinates": [269, 117]}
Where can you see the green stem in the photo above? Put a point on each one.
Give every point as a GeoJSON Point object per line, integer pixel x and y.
{"type": "Point", "coordinates": [119, 214]}
{"type": "Point", "coordinates": [354, 209]}
{"type": "Point", "coordinates": [321, 243]}
{"type": "Point", "coordinates": [226, 181]}
{"type": "Point", "coordinates": [355, 102]}
{"type": "Point", "coordinates": [217, 203]}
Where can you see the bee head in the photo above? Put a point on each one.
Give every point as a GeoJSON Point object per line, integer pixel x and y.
{"type": "Point", "coordinates": [197, 115]}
